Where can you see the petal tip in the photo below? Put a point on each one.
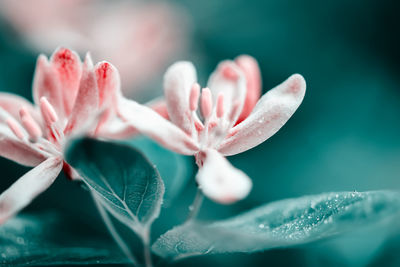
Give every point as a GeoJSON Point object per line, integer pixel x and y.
{"type": "Point", "coordinates": [297, 84]}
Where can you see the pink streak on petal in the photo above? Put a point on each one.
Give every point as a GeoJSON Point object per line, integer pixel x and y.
{"type": "Point", "coordinates": [68, 67]}
{"type": "Point", "coordinates": [150, 123]}
{"type": "Point", "coordinates": [26, 188]}
{"type": "Point", "coordinates": [33, 129]}
{"type": "Point", "coordinates": [219, 180]}
{"type": "Point", "coordinates": [229, 73]}
{"type": "Point", "coordinates": [15, 128]}
{"type": "Point", "coordinates": [206, 102]}
{"type": "Point", "coordinates": [108, 82]}
{"type": "Point", "coordinates": [272, 111]}
{"type": "Point", "coordinates": [87, 99]}
{"type": "Point", "coordinates": [159, 106]}
{"type": "Point", "coordinates": [251, 70]}
{"type": "Point", "coordinates": [178, 82]}
{"type": "Point", "coordinates": [194, 97]}
{"type": "Point", "coordinates": [220, 105]}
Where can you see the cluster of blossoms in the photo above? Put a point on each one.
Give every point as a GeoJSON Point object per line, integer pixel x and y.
{"type": "Point", "coordinates": [145, 34]}
{"type": "Point", "coordinates": [74, 98]}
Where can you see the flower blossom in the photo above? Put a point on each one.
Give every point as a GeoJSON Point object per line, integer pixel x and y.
{"type": "Point", "coordinates": [239, 119]}
{"type": "Point", "coordinates": [69, 97]}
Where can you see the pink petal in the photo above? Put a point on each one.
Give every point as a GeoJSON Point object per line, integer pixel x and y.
{"type": "Point", "coordinates": [150, 123]}
{"type": "Point", "coordinates": [68, 68]}
{"type": "Point", "coordinates": [13, 103]}
{"type": "Point", "coordinates": [272, 111]}
{"type": "Point", "coordinates": [249, 67]}
{"type": "Point", "coordinates": [87, 99]}
{"type": "Point", "coordinates": [19, 151]}
{"type": "Point", "coordinates": [116, 129]}
{"type": "Point", "coordinates": [26, 188]}
{"type": "Point", "coordinates": [178, 81]}
{"type": "Point", "coordinates": [46, 83]}
{"type": "Point", "coordinates": [228, 80]}
{"type": "Point", "coordinates": [220, 181]}
{"type": "Point", "coordinates": [159, 106]}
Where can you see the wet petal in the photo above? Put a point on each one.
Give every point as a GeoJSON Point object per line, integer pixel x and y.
{"type": "Point", "coordinates": [272, 111]}
{"type": "Point", "coordinates": [178, 81]}
{"type": "Point", "coordinates": [220, 181]}
{"type": "Point", "coordinates": [150, 123]}
{"type": "Point", "coordinates": [87, 99]}
{"type": "Point", "coordinates": [249, 67]}
{"type": "Point", "coordinates": [68, 68]}
{"type": "Point", "coordinates": [26, 188]}
{"type": "Point", "coordinates": [17, 150]}
{"type": "Point", "coordinates": [229, 81]}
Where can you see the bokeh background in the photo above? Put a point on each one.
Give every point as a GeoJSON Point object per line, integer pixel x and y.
{"type": "Point", "coordinates": [344, 137]}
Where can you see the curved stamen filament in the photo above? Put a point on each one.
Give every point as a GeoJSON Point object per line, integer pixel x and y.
{"type": "Point", "coordinates": [206, 103]}
{"type": "Point", "coordinates": [30, 125]}
{"type": "Point", "coordinates": [16, 128]}
{"type": "Point", "coordinates": [220, 105]}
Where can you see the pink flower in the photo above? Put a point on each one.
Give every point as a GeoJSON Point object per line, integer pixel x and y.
{"type": "Point", "coordinates": [139, 38]}
{"type": "Point", "coordinates": [239, 119]}
{"type": "Point", "coordinates": [70, 97]}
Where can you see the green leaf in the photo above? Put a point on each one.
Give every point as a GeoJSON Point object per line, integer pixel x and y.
{"type": "Point", "coordinates": [49, 239]}
{"type": "Point", "coordinates": [127, 184]}
{"type": "Point", "coordinates": [281, 224]}
{"type": "Point", "coordinates": [175, 169]}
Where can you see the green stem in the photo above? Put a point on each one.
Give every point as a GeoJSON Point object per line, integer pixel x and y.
{"type": "Point", "coordinates": [110, 226]}
{"type": "Point", "coordinates": [195, 207]}
{"type": "Point", "coordinates": [146, 248]}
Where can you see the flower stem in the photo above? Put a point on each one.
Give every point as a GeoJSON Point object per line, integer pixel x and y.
{"type": "Point", "coordinates": [195, 207]}
{"type": "Point", "coordinates": [121, 243]}
{"type": "Point", "coordinates": [146, 248]}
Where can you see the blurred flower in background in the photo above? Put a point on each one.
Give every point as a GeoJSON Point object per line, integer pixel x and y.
{"type": "Point", "coordinates": [140, 38]}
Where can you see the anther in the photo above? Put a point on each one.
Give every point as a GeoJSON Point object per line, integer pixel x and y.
{"type": "Point", "coordinates": [220, 105]}
{"type": "Point", "coordinates": [194, 96]}
{"type": "Point", "coordinates": [30, 125]}
{"type": "Point", "coordinates": [48, 111]}
{"type": "Point", "coordinates": [15, 128]}
{"type": "Point", "coordinates": [206, 102]}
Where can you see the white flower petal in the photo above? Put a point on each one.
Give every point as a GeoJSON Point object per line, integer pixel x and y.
{"type": "Point", "coordinates": [26, 188]}
{"type": "Point", "coordinates": [220, 181]}
{"type": "Point", "coordinates": [272, 111]}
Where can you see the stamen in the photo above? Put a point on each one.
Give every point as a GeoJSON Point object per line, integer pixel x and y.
{"type": "Point", "coordinates": [220, 105]}
{"type": "Point", "coordinates": [48, 111]}
{"type": "Point", "coordinates": [206, 102]}
{"type": "Point", "coordinates": [194, 96]}
{"type": "Point", "coordinates": [15, 128]}
{"type": "Point", "coordinates": [30, 125]}
{"type": "Point", "coordinates": [229, 72]}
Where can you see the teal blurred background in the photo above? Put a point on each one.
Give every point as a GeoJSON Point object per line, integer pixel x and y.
{"type": "Point", "coordinates": [344, 137]}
